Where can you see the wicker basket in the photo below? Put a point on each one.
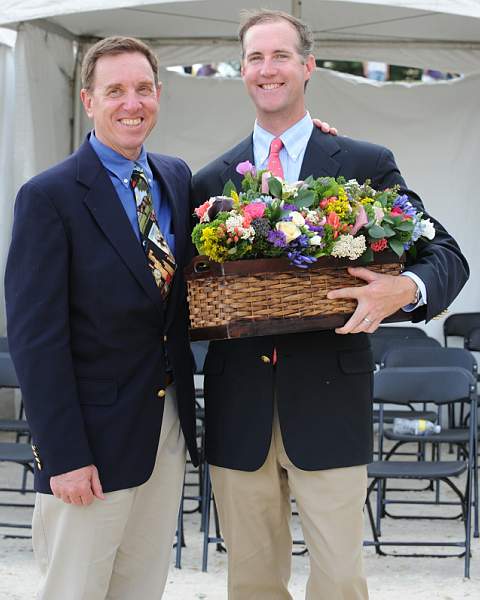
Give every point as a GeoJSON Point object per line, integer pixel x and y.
{"type": "Point", "coordinates": [247, 298]}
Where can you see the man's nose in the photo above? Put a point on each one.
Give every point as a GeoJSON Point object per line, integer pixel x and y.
{"type": "Point", "coordinates": [268, 67]}
{"type": "Point", "coordinates": [132, 101]}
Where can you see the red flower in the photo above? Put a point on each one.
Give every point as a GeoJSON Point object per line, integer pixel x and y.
{"type": "Point", "coordinates": [379, 246]}
{"type": "Point", "coordinates": [334, 220]}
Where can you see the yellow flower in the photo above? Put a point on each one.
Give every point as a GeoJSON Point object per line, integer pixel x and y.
{"type": "Point", "coordinates": [340, 206]}
{"type": "Point", "coordinates": [366, 200]}
{"type": "Point", "coordinates": [212, 246]}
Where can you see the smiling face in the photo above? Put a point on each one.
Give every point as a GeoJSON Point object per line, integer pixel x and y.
{"type": "Point", "coordinates": [275, 73]}
{"type": "Point", "coordinates": [123, 102]}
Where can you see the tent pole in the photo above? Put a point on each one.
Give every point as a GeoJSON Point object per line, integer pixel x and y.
{"type": "Point", "coordinates": [297, 8]}
{"type": "Point", "coordinates": [77, 105]}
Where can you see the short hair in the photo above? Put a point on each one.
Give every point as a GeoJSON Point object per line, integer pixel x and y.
{"type": "Point", "coordinates": [249, 18]}
{"type": "Point", "coordinates": [112, 46]}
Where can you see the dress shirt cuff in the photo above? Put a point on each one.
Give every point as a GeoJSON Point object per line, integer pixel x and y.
{"type": "Point", "coordinates": [422, 298]}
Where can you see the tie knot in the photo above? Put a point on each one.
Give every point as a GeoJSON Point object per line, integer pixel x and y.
{"type": "Point", "coordinates": [276, 146]}
{"type": "Point", "coordinates": [137, 175]}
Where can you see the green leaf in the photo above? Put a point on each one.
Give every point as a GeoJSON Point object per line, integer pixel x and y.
{"type": "Point", "coordinates": [376, 232]}
{"type": "Point", "coordinates": [304, 199]}
{"type": "Point", "coordinates": [396, 246]}
{"type": "Point", "coordinates": [405, 226]}
{"type": "Point", "coordinates": [228, 188]}
{"type": "Point", "coordinates": [309, 180]}
{"type": "Point", "coordinates": [367, 256]}
{"type": "Point", "coordinates": [388, 230]}
{"type": "Point", "coordinates": [275, 187]}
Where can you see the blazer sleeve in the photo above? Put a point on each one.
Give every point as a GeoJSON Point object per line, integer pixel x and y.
{"type": "Point", "coordinates": [439, 263]}
{"type": "Point", "coordinates": [37, 303]}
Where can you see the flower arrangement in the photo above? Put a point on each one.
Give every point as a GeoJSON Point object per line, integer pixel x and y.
{"type": "Point", "coordinates": [306, 220]}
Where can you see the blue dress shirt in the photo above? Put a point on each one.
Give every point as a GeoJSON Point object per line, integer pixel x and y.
{"type": "Point", "coordinates": [120, 170]}
{"type": "Point", "coordinates": [295, 140]}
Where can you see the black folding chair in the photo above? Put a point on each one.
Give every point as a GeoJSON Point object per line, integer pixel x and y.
{"type": "Point", "coordinates": [460, 324]}
{"type": "Point", "coordinates": [436, 357]}
{"type": "Point", "coordinates": [439, 385]}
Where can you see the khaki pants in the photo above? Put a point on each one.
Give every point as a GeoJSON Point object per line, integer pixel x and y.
{"type": "Point", "coordinates": [255, 510]}
{"type": "Point", "coordinates": [119, 548]}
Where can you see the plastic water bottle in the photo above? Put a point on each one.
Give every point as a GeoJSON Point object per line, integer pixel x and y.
{"type": "Point", "coordinates": [414, 427]}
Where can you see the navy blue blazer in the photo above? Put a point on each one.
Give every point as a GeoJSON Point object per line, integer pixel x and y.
{"type": "Point", "coordinates": [322, 382]}
{"type": "Point", "coordinates": [87, 326]}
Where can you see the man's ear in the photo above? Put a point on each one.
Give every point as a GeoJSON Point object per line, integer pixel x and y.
{"type": "Point", "coordinates": [158, 90]}
{"type": "Point", "coordinates": [86, 99]}
{"type": "Point", "coordinates": [310, 66]}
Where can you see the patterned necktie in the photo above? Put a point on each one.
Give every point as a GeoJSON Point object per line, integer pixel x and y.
{"type": "Point", "coordinates": [160, 258]}
{"type": "Point", "coordinates": [274, 165]}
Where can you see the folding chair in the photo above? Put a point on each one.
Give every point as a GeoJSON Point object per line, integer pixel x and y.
{"type": "Point", "coordinates": [472, 340]}
{"type": "Point", "coordinates": [436, 357]}
{"type": "Point", "coordinates": [440, 385]}
{"type": "Point", "coordinates": [460, 324]}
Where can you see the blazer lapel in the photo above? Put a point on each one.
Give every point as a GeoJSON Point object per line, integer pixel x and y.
{"type": "Point", "coordinates": [318, 159]}
{"type": "Point", "coordinates": [106, 208]}
{"type": "Point", "coordinates": [242, 152]}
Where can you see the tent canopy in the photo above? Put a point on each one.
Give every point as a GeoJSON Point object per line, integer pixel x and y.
{"type": "Point", "coordinates": [425, 33]}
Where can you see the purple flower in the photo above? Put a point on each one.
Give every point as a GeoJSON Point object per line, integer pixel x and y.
{"type": "Point", "coordinates": [289, 207]}
{"type": "Point", "coordinates": [404, 204]}
{"type": "Point", "coordinates": [300, 260]}
{"type": "Point", "coordinates": [246, 167]}
{"type": "Point", "coordinates": [277, 238]}
{"type": "Point", "coordinates": [317, 228]}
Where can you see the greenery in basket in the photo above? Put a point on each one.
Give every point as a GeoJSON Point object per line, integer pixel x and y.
{"type": "Point", "coordinates": [306, 220]}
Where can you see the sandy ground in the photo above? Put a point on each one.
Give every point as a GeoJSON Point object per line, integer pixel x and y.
{"type": "Point", "coordinates": [390, 578]}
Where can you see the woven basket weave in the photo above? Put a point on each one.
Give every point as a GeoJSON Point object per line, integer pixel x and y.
{"type": "Point", "coordinates": [268, 296]}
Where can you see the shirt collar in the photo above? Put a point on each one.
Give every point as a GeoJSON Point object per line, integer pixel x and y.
{"type": "Point", "coordinates": [117, 164]}
{"type": "Point", "coordinates": [294, 139]}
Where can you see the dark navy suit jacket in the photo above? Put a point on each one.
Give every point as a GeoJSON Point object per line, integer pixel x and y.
{"type": "Point", "coordinates": [87, 327]}
{"type": "Point", "coordinates": [322, 381]}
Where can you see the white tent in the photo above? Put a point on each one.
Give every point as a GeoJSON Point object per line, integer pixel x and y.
{"type": "Point", "coordinates": [437, 150]}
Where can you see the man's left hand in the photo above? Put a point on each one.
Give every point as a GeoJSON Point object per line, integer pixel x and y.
{"type": "Point", "coordinates": [382, 296]}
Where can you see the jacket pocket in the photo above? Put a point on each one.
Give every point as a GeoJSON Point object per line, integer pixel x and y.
{"type": "Point", "coordinates": [356, 361]}
{"type": "Point", "coordinates": [100, 392]}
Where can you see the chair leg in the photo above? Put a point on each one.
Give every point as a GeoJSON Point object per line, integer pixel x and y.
{"type": "Point", "coordinates": [207, 489]}
{"type": "Point", "coordinates": [180, 537]}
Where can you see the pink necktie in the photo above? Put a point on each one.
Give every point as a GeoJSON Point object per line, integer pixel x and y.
{"type": "Point", "coordinates": [274, 165]}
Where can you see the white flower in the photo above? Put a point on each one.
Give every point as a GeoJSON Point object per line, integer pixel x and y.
{"type": "Point", "coordinates": [427, 229]}
{"type": "Point", "coordinates": [290, 230]}
{"type": "Point", "coordinates": [297, 218]}
{"type": "Point", "coordinates": [350, 247]}
{"type": "Point", "coordinates": [379, 214]}
{"type": "Point", "coordinates": [234, 225]}
{"type": "Point", "coordinates": [315, 240]}
{"type": "Point", "coordinates": [289, 189]}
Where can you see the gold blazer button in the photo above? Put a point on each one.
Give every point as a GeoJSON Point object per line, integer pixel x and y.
{"type": "Point", "coordinates": [161, 393]}
{"type": "Point", "coordinates": [265, 359]}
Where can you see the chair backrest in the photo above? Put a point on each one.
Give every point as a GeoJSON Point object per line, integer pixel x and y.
{"type": "Point", "coordinates": [404, 332]}
{"type": "Point", "coordinates": [3, 344]}
{"type": "Point", "coordinates": [460, 324]}
{"type": "Point", "coordinates": [439, 385]}
{"type": "Point", "coordinates": [472, 341]}
{"type": "Point", "coordinates": [382, 344]}
{"type": "Point", "coordinates": [430, 357]}
{"type": "Point", "coordinates": [8, 377]}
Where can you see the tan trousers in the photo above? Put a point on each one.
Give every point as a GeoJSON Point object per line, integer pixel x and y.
{"type": "Point", "coordinates": [255, 510]}
{"type": "Point", "coordinates": [119, 548]}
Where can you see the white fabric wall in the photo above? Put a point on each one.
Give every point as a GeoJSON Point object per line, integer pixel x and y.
{"type": "Point", "coordinates": [44, 65]}
{"type": "Point", "coordinates": [7, 111]}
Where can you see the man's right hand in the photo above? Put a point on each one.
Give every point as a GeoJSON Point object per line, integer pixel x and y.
{"type": "Point", "coordinates": [79, 487]}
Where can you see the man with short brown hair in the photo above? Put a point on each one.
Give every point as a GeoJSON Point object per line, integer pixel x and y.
{"type": "Point", "coordinates": [97, 327]}
{"type": "Point", "coordinates": [291, 414]}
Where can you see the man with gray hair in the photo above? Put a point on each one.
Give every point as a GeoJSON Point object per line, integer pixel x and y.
{"type": "Point", "coordinates": [291, 414]}
{"type": "Point", "coordinates": [97, 327]}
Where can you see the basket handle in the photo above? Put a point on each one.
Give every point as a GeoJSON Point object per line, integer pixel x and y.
{"type": "Point", "coordinates": [201, 266]}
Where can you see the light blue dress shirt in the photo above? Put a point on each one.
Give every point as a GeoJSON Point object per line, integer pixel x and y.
{"type": "Point", "coordinates": [295, 140]}
{"type": "Point", "coordinates": [120, 170]}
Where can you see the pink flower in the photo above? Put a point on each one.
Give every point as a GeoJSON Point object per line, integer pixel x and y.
{"type": "Point", "coordinates": [265, 177]}
{"type": "Point", "coordinates": [247, 220]}
{"type": "Point", "coordinates": [246, 167]}
{"type": "Point", "coordinates": [360, 221]}
{"type": "Point", "coordinates": [202, 209]}
{"type": "Point", "coordinates": [396, 211]}
{"type": "Point", "coordinates": [379, 246]}
{"type": "Point", "coordinates": [254, 210]}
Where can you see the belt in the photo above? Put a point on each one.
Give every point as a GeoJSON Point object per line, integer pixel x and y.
{"type": "Point", "coordinates": [168, 378]}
